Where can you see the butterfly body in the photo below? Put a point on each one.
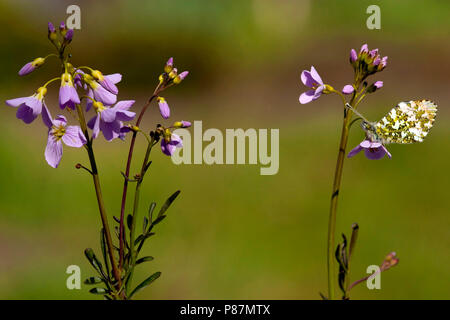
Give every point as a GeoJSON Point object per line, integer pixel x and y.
{"type": "Point", "coordinates": [407, 122]}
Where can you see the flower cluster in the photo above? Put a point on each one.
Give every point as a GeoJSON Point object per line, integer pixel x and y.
{"type": "Point", "coordinates": [100, 94]}
{"type": "Point", "coordinates": [365, 63]}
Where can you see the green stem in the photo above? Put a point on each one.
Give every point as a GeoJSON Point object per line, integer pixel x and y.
{"type": "Point", "coordinates": [133, 252]}
{"type": "Point", "coordinates": [98, 192]}
{"type": "Point", "coordinates": [334, 199]}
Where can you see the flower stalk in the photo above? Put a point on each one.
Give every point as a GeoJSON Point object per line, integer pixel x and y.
{"type": "Point", "coordinates": [98, 193]}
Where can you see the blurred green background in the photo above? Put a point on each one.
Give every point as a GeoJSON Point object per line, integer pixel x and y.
{"type": "Point", "coordinates": [233, 234]}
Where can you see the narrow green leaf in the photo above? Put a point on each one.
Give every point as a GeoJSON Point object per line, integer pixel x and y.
{"type": "Point", "coordinates": [99, 291]}
{"type": "Point", "coordinates": [145, 283]}
{"type": "Point", "coordinates": [89, 253]}
{"type": "Point", "coordinates": [93, 280]}
{"type": "Point", "coordinates": [168, 202]}
{"type": "Point", "coordinates": [159, 219]}
{"type": "Point", "coordinates": [144, 259]}
{"type": "Point", "coordinates": [144, 225]}
{"type": "Point", "coordinates": [150, 211]}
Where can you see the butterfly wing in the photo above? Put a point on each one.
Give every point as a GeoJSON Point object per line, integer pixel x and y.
{"type": "Point", "coordinates": [407, 122]}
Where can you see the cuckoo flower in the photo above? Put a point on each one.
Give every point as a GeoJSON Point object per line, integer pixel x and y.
{"type": "Point", "coordinates": [163, 107]}
{"type": "Point", "coordinates": [109, 119]}
{"type": "Point", "coordinates": [372, 150]}
{"type": "Point", "coordinates": [68, 96]}
{"type": "Point", "coordinates": [314, 81]}
{"type": "Point", "coordinates": [59, 132]}
{"type": "Point", "coordinates": [99, 93]}
{"type": "Point", "coordinates": [29, 107]}
{"type": "Point", "coordinates": [109, 81]}
{"type": "Point", "coordinates": [170, 142]}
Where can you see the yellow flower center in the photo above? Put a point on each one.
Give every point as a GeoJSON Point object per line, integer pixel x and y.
{"type": "Point", "coordinates": [58, 132]}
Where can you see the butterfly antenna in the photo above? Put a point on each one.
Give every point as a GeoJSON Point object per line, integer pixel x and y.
{"type": "Point", "coordinates": [356, 112]}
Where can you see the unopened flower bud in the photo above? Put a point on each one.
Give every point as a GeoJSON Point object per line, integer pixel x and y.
{"type": "Point", "coordinates": [182, 124]}
{"type": "Point", "coordinates": [348, 89]}
{"type": "Point", "coordinates": [31, 66]}
{"type": "Point", "coordinates": [364, 49]}
{"type": "Point", "coordinates": [169, 65]}
{"type": "Point", "coordinates": [52, 32]}
{"type": "Point", "coordinates": [173, 73]}
{"type": "Point", "coordinates": [353, 56]}
{"type": "Point", "coordinates": [180, 77]}
{"type": "Point", "coordinates": [78, 166]}
{"type": "Point", "coordinates": [68, 36]}
{"type": "Point", "coordinates": [374, 86]}
{"type": "Point", "coordinates": [163, 107]}
{"type": "Point", "coordinates": [62, 29]}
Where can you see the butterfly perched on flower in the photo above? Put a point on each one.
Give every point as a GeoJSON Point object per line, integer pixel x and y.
{"type": "Point", "coordinates": [407, 122]}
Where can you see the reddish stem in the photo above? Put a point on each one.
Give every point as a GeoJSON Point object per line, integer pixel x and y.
{"type": "Point", "coordinates": [127, 173]}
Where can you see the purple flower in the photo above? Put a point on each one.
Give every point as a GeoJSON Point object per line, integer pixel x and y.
{"type": "Point", "coordinates": [170, 143]}
{"type": "Point", "coordinates": [58, 132]}
{"type": "Point", "coordinates": [68, 96]}
{"type": "Point", "coordinates": [31, 66]}
{"type": "Point", "coordinates": [163, 107]}
{"type": "Point", "coordinates": [98, 92]}
{"type": "Point", "coordinates": [29, 107]}
{"type": "Point", "coordinates": [109, 81]}
{"type": "Point", "coordinates": [314, 81]}
{"type": "Point", "coordinates": [109, 119]}
{"type": "Point", "coordinates": [348, 89]}
{"type": "Point", "coordinates": [372, 150]}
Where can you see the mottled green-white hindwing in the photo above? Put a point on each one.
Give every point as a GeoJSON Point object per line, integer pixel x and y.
{"type": "Point", "coordinates": [407, 122]}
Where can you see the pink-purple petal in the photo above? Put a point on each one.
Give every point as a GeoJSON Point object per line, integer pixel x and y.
{"type": "Point", "coordinates": [46, 117]}
{"type": "Point", "coordinates": [124, 115]}
{"type": "Point", "coordinates": [374, 153]}
{"type": "Point", "coordinates": [104, 96]}
{"type": "Point", "coordinates": [355, 151]}
{"type": "Point", "coordinates": [53, 151]}
{"type": "Point", "coordinates": [307, 97]}
{"type": "Point", "coordinates": [73, 137]}
{"type": "Point", "coordinates": [114, 78]}
{"type": "Point", "coordinates": [124, 105]}
{"type": "Point", "coordinates": [315, 76]}
{"type": "Point", "coordinates": [108, 115]}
